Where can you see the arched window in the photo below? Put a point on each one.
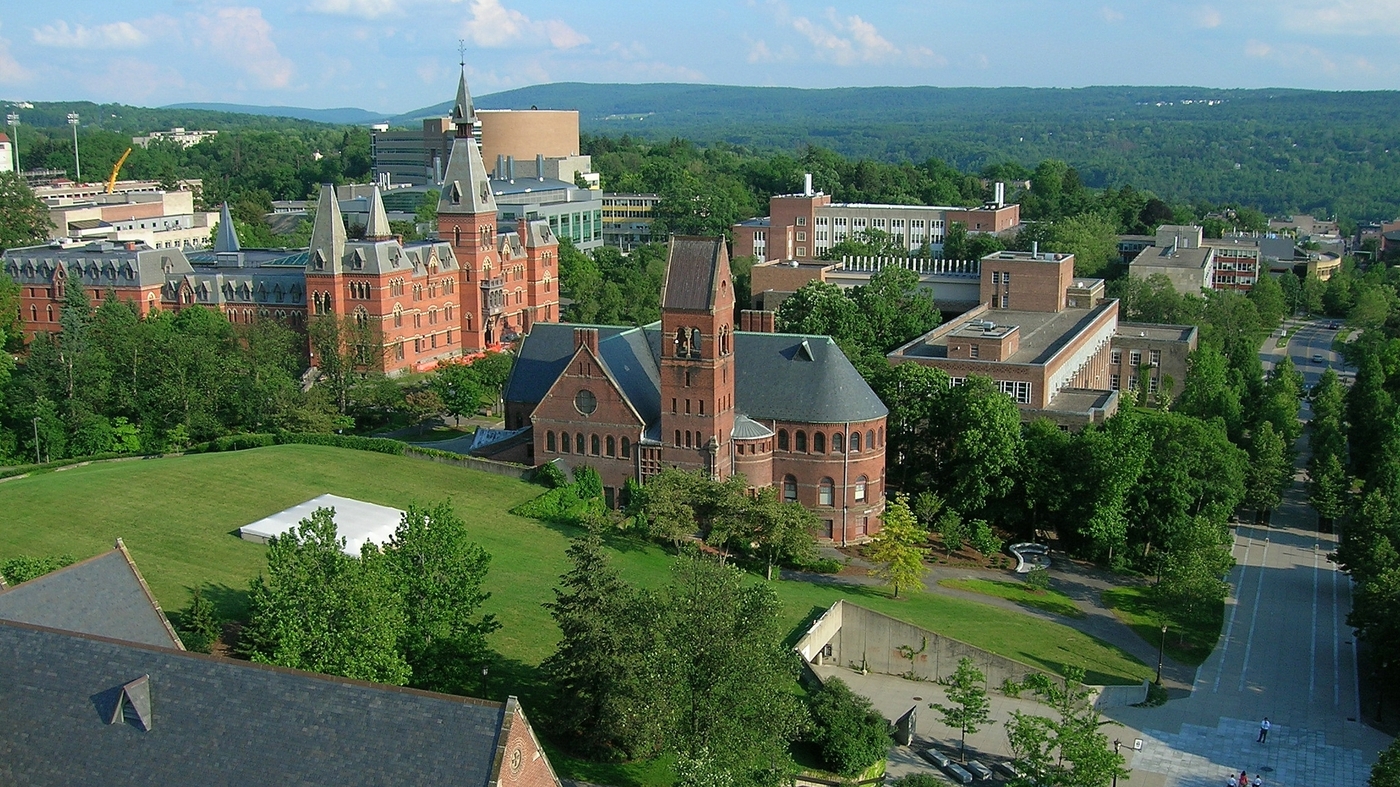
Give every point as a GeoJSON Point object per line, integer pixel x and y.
{"type": "Point", "coordinates": [782, 440]}
{"type": "Point", "coordinates": [789, 489]}
{"type": "Point", "coordinates": [578, 443]}
{"type": "Point", "coordinates": [870, 440]}
{"type": "Point", "coordinates": [687, 439]}
{"type": "Point", "coordinates": [549, 444]}
{"type": "Point", "coordinates": [595, 445]}
{"type": "Point", "coordinates": [860, 489]}
{"type": "Point", "coordinates": [626, 448]}
{"type": "Point", "coordinates": [361, 317]}
{"type": "Point", "coordinates": [825, 492]}
{"type": "Point", "coordinates": [799, 442]}
{"type": "Point", "coordinates": [612, 446]}
{"type": "Point", "coordinates": [49, 309]}
{"type": "Point", "coordinates": [694, 342]}
{"type": "Point", "coordinates": [564, 442]}
{"type": "Point", "coordinates": [33, 313]}
{"type": "Point", "coordinates": [836, 446]}
{"type": "Point", "coordinates": [457, 235]}
{"type": "Point", "coordinates": [398, 316]}
{"type": "Point", "coordinates": [678, 438]}
{"type": "Point", "coordinates": [682, 343]}
{"type": "Point", "coordinates": [855, 442]}
{"type": "Point", "coordinates": [818, 443]}
{"type": "Point", "coordinates": [882, 437]}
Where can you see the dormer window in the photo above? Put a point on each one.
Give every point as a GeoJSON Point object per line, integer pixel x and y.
{"type": "Point", "coordinates": [456, 194]}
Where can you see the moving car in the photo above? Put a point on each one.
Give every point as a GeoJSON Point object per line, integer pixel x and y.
{"type": "Point", "coordinates": [1317, 358]}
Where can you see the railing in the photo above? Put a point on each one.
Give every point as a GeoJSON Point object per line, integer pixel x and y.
{"type": "Point", "coordinates": [920, 265]}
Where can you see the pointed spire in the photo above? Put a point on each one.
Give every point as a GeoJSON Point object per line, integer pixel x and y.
{"type": "Point", "coordinates": [463, 111]}
{"type": "Point", "coordinates": [228, 236]}
{"type": "Point", "coordinates": [327, 233]}
{"type": "Point", "coordinates": [466, 186]}
{"type": "Point", "coordinates": [377, 226]}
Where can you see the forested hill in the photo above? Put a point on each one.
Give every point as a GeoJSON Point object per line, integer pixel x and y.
{"type": "Point", "coordinates": [1282, 150]}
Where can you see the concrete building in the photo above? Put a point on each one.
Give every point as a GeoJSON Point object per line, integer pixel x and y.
{"type": "Point", "coordinates": [1046, 338]}
{"type": "Point", "coordinates": [627, 219]}
{"type": "Point", "coordinates": [693, 392]}
{"type": "Point", "coordinates": [803, 226]}
{"type": "Point", "coordinates": [954, 284]}
{"type": "Point", "coordinates": [1194, 263]}
{"type": "Point", "coordinates": [178, 135]}
{"type": "Point", "coordinates": [572, 212]}
{"type": "Point", "coordinates": [156, 218]}
{"type": "Point", "coordinates": [1150, 357]}
{"type": "Point", "coordinates": [542, 143]}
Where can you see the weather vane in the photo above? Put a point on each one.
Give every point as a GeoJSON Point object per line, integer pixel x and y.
{"type": "Point", "coordinates": [462, 52]}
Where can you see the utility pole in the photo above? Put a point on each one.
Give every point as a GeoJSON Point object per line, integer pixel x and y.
{"type": "Point", "coordinates": [1160, 647]}
{"type": "Point", "coordinates": [36, 441]}
{"type": "Point", "coordinates": [77, 165]}
{"type": "Point", "coordinates": [13, 120]}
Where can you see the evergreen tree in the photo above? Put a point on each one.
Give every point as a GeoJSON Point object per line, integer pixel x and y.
{"type": "Point", "coordinates": [200, 626]}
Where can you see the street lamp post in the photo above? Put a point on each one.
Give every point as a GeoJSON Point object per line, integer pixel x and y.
{"type": "Point", "coordinates": [77, 165]}
{"type": "Point", "coordinates": [13, 120]}
{"type": "Point", "coordinates": [1117, 744]}
{"type": "Point", "coordinates": [1160, 647]}
{"type": "Point", "coordinates": [36, 441]}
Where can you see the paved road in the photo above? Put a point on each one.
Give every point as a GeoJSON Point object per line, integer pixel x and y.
{"type": "Point", "coordinates": [1286, 653]}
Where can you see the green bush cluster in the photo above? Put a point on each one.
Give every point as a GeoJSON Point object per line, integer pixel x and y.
{"type": "Point", "coordinates": [851, 734]}
{"type": "Point", "coordinates": [577, 503]}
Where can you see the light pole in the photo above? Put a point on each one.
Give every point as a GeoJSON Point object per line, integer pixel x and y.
{"type": "Point", "coordinates": [1117, 744]}
{"type": "Point", "coordinates": [13, 120]}
{"type": "Point", "coordinates": [77, 165]}
{"type": "Point", "coordinates": [1160, 647]}
{"type": "Point", "coordinates": [36, 441]}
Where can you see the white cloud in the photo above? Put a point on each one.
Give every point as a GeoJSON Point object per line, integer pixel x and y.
{"type": "Point", "coordinates": [494, 25]}
{"type": "Point", "coordinates": [1255, 48]}
{"type": "Point", "coordinates": [851, 40]}
{"type": "Point", "coordinates": [1208, 17]}
{"type": "Point", "coordinates": [368, 9]}
{"type": "Point", "coordinates": [759, 52]}
{"type": "Point", "coordinates": [1111, 14]}
{"type": "Point", "coordinates": [1357, 17]}
{"type": "Point", "coordinates": [243, 39]}
{"type": "Point", "coordinates": [11, 72]}
{"type": "Point", "coordinates": [114, 35]}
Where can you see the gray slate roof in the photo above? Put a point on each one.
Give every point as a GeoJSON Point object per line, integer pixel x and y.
{"type": "Point", "coordinates": [691, 272]}
{"type": "Point", "coordinates": [223, 722]}
{"type": "Point", "coordinates": [775, 377]}
{"type": "Point", "coordinates": [466, 186]}
{"type": "Point", "coordinates": [104, 596]}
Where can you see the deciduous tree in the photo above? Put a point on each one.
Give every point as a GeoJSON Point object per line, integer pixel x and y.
{"type": "Point", "coordinates": [968, 708]}
{"type": "Point", "coordinates": [897, 550]}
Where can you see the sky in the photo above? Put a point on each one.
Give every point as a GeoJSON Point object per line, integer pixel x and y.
{"type": "Point", "coordinates": [399, 55]}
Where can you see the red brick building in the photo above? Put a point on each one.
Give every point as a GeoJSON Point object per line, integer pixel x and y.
{"type": "Point", "coordinates": [693, 392]}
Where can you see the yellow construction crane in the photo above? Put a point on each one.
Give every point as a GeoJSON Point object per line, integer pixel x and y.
{"type": "Point", "coordinates": [112, 179]}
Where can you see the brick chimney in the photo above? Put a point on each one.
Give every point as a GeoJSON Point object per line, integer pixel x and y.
{"type": "Point", "coordinates": [586, 336]}
{"type": "Point", "coordinates": [756, 321]}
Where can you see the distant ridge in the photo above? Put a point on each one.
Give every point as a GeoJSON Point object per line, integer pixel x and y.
{"type": "Point", "coordinates": [338, 115]}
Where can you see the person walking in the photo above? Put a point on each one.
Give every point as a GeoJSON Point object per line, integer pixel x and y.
{"type": "Point", "coordinates": [1258, 780]}
{"type": "Point", "coordinates": [1244, 779]}
{"type": "Point", "coordinates": [1232, 782]}
{"type": "Point", "coordinates": [1264, 730]}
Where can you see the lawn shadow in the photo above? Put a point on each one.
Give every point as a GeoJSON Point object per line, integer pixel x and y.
{"type": "Point", "coordinates": [229, 603]}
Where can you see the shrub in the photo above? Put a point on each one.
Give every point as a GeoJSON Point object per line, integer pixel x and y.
{"type": "Point", "coordinates": [852, 735]}
{"type": "Point", "coordinates": [378, 444]}
{"type": "Point", "coordinates": [24, 568]}
{"type": "Point", "coordinates": [918, 780]}
{"type": "Point", "coordinates": [549, 476]}
{"type": "Point", "coordinates": [587, 483]}
{"type": "Point", "coordinates": [1038, 580]}
{"type": "Point", "coordinates": [821, 565]}
{"type": "Point", "coordinates": [983, 539]}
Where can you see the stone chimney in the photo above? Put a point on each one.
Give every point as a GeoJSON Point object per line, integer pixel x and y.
{"type": "Point", "coordinates": [755, 321]}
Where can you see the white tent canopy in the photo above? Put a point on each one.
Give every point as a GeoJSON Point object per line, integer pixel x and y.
{"type": "Point", "coordinates": [356, 521]}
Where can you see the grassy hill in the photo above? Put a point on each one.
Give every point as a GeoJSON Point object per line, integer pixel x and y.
{"type": "Point", "coordinates": [178, 516]}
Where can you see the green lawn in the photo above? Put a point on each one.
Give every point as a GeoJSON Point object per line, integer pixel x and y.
{"type": "Point", "coordinates": [1051, 601]}
{"type": "Point", "coordinates": [179, 517]}
{"type": "Point", "coordinates": [1189, 643]}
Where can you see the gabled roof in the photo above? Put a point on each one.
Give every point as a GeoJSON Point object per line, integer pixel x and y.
{"type": "Point", "coordinates": [466, 187]}
{"type": "Point", "coordinates": [692, 272]}
{"type": "Point", "coordinates": [542, 357]}
{"type": "Point", "coordinates": [104, 595]}
{"type": "Point", "coordinates": [205, 720]}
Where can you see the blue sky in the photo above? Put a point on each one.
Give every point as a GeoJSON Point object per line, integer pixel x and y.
{"type": "Point", "coordinates": [397, 55]}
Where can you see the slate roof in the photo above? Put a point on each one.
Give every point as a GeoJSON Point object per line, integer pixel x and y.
{"type": "Point", "coordinates": [466, 187]}
{"type": "Point", "coordinates": [104, 596]}
{"type": "Point", "coordinates": [782, 377]}
{"type": "Point", "coordinates": [745, 428]}
{"type": "Point", "coordinates": [223, 722]}
{"type": "Point", "coordinates": [691, 271]}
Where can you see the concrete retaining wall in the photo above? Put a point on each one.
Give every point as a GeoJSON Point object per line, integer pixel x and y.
{"type": "Point", "coordinates": [852, 636]}
{"type": "Point", "coordinates": [507, 469]}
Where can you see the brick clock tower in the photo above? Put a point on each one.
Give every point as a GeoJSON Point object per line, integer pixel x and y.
{"type": "Point", "coordinates": [467, 220]}
{"type": "Point", "coordinates": [697, 357]}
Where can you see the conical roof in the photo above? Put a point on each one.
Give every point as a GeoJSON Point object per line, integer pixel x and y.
{"type": "Point", "coordinates": [466, 186]}
{"type": "Point", "coordinates": [327, 233]}
{"type": "Point", "coordinates": [228, 236]}
{"type": "Point", "coordinates": [463, 111]}
{"type": "Point", "coordinates": [377, 226]}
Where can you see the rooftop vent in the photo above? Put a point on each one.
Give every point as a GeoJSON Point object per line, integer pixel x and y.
{"type": "Point", "coordinates": [134, 704]}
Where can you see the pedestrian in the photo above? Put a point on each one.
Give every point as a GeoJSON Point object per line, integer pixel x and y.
{"type": "Point", "coordinates": [1232, 782]}
{"type": "Point", "coordinates": [1258, 780]}
{"type": "Point", "coordinates": [1264, 730]}
{"type": "Point", "coordinates": [1244, 779]}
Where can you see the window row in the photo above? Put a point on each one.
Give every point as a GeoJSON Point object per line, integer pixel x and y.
{"type": "Point", "coordinates": [839, 443]}
{"type": "Point", "coordinates": [826, 490]}
{"type": "Point", "coordinates": [593, 445]}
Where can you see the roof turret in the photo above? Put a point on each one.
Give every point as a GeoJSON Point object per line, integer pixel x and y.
{"type": "Point", "coordinates": [463, 111]}
{"type": "Point", "coordinates": [377, 226]}
{"type": "Point", "coordinates": [227, 241]}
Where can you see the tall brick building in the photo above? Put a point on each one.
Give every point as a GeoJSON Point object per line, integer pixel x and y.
{"type": "Point", "coordinates": [693, 392]}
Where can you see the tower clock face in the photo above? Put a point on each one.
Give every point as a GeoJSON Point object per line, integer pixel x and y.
{"type": "Point", "coordinates": [585, 402]}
